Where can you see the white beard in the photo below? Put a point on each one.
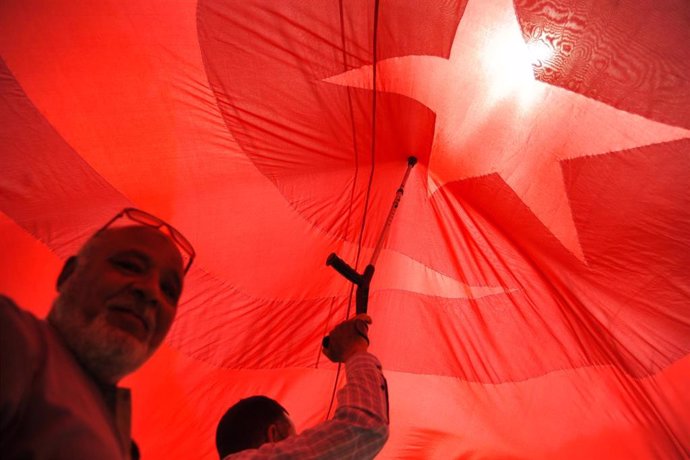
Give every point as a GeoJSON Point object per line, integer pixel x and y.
{"type": "Point", "coordinates": [106, 351]}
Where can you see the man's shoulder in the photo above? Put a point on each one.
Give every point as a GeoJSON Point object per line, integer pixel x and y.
{"type": "Point", "coordinates": [19, 326]}
{"type": "Point", "coordinates": [10, 311]}
{"type": "Point", "coordinates": [6, 302]}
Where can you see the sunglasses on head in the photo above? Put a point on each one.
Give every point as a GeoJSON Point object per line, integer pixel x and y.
{"type": "Point", "coordinates": [149, 220]}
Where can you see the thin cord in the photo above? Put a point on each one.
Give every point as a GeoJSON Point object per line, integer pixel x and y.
{"type": "Point", "coordinates": [373, 144]}
{"type": "Point", "coordinates": [346, 224]}
{"type": "Point", "coordinates": [370, 182]}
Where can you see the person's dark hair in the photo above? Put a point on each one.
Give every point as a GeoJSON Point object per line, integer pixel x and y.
{"type": "Point", "coordinates": [245, 424]}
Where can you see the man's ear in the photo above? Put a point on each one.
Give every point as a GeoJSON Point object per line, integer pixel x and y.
{"type": "Point", "coordinates": [67, 270]}
{"type": "Point", "coordinates": [273, 434]}
{"type": "Point", "coordinates": [280, 430]}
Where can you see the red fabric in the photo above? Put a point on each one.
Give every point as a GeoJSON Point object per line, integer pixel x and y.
{"type": "Point", "coordinates": [532, 298]}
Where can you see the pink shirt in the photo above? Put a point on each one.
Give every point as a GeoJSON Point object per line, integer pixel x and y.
{"type": "Point", "coordinates": [358, 430]}
{"type": "Point", "coordinates": [49, 407]}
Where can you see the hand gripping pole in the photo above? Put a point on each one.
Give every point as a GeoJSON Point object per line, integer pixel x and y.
{"type": "Point", "coordinates": [363, 280]}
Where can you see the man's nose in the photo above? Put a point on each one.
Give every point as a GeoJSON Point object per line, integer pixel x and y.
{"type": "Point", "coordinates": [146, 290]}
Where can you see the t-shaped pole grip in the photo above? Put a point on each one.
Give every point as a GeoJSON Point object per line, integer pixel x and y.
{"type": "Point", "coordinates": [362, 281]}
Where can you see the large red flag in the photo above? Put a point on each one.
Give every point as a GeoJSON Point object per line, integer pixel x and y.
{"type": "Point", "coordinates": [532, 299]}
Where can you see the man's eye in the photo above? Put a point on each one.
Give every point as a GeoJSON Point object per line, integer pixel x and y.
{"type": "Point", "coordinates": [128, 265]}
{"type": "Point", "coordinates": [170, 291]}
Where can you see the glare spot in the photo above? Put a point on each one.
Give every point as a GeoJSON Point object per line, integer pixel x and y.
{"type": "Point", "coordinates": [509, 67]}
{"type": "Point", "coordinates": [539, 52]}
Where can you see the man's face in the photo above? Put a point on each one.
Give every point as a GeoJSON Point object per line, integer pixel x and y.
{"type": "Point", "coordinates": [118, 304]}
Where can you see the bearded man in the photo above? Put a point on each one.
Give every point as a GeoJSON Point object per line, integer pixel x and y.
{"type": "Point", "coordinates": [117, 298]}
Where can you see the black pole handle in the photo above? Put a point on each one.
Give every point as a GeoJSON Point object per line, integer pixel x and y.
{"type": "Point", "coordinates": [343, 268]}
{"type": "Point", "coordinates": [363, 280]}
{"type": "Point", "coordinates": [362, 295]}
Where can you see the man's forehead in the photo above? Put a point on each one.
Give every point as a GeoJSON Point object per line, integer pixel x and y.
{"type": "Point", "coordinates": [136, 237]}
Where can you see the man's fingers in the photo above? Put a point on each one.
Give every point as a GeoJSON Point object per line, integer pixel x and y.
{"type": "Point", "coordinates": [363, 317]}
{"type": "Point", "coordinates": [362, 329]}
{"type": "Point", "coordinates": [327, 351]}
{"type": "Point", "coordinates": [348, 337]}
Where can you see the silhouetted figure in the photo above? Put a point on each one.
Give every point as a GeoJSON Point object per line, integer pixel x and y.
{"type": "Point", "coordinates": [258, 427]}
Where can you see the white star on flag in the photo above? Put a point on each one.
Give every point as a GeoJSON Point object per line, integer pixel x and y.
{"type": "Point", "coordinates": [494, 117]}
